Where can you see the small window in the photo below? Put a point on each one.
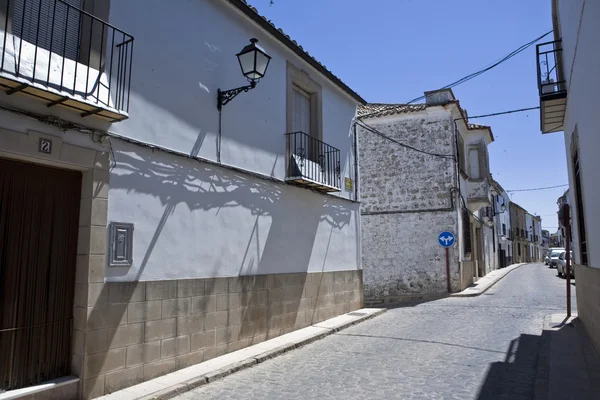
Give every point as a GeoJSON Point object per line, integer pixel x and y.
{"type": "Point", "coordinates": [579, 209]}
{"type": "Point", "coordinates": [120, 250]}
{"type": "Point", "coordinates": [474, 164]}
{"type": "Point", "coordinates": [461, 154]}
{"type": "Point", "coordinates": [466, 226]}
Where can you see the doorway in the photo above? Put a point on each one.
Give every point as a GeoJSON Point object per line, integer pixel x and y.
{"type": "Point", "coordinates": [39, 214]}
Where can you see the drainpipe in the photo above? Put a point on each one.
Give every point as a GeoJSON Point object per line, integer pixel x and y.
{"type": "Point", "coordinates": [355, 163]}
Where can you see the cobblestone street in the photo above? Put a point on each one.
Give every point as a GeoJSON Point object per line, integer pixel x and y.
{"type": "Point", "coordinates": [455, 348]}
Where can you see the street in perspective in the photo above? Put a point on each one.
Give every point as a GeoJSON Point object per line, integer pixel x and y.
{"type": "Point", "coordinates": [484, 347]}
{"type": "Point", "coordinates": [291, 199]}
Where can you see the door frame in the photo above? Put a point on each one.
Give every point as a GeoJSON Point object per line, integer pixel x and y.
{"type": "Point", "coordinates": [94, 164]}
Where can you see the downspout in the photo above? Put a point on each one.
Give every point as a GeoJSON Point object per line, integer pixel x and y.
{"type": "Point", "coordinates": [355, 163]}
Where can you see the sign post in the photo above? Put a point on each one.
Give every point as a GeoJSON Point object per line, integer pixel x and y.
{"type": "Point", "coordinates": [446, 240]}
{"type": "Point", "coordinates": [567, 224]}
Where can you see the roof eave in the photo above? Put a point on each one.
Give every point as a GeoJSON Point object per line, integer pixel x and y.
{"type": "Point", "coordinates": [289, 43]}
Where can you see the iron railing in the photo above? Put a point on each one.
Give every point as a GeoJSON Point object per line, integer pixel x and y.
{"type": "Point", "coordinates": [309, 159]}
{"type": "Point", "coordinates": [550, 78]}
{"type": "Point", "coordinates": [59, 46]}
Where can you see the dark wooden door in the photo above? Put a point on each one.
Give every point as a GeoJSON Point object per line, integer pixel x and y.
{"type": "Point", "coordinates": [39, 213]}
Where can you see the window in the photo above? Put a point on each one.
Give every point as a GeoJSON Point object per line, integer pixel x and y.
{"type": "Point", "coordinates": [466, 227]}
{"type": "Point", "coordinates": [519, 248]}
{"type": "Point", "coordinates": [461, 154]}
{"type": "Point", "coordinates": [41, 22]}
{"type": "Point", "coordinates": [474, 170]}
{"type": "Point", "coordinates": [304, 103]}
{"type": "Point", "coordinates": [579, 210]}
{"type": "Point", "coordinates": [504, 229]}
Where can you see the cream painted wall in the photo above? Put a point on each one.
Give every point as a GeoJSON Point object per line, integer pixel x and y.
{"type": "Point", "coordinates": [580, 34]}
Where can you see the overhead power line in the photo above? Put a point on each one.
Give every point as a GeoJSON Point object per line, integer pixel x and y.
{"type": "Point", "coordinates": [541, 188]}
{"type": "Point", "coordinates": [383, 135]}
{"type": "Point", "coordinates": [474, 74]}
{"type": "Point", "coordinates": [504, 112]}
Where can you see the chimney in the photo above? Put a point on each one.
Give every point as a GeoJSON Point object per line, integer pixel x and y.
{"type": "Point", "coordinates": [439, 97]}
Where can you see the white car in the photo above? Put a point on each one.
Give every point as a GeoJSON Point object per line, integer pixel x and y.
{"type": "Point", "coordinates": [553, 262]}
{"type": "Point", "coordinates": [561, 267]}
{"type": "Point", "coordinates": [547, 259]}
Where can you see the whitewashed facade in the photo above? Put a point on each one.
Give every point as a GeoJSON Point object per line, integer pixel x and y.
{"type": "Point", "coordinates": [213, 248]}
{"type": "Point", "coordinates": [569, 85]}
{"type": "Point", "coordinates": [501, 206]}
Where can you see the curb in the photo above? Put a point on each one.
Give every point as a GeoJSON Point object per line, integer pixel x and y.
{"type": "Point", "coordinates": [482, 291]}
{"type": "Point", "coordinates": [191, 384]}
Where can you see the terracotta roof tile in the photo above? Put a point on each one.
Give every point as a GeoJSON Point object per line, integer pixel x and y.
{"type": "Point", "coordinates": [372, 110]}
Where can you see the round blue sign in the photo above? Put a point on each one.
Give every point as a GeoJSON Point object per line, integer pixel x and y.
{"type": "Point", "coordinates": [446, 239]}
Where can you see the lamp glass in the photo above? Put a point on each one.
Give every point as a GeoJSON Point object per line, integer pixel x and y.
{"type": "Point", "coordinates": [253, 61]}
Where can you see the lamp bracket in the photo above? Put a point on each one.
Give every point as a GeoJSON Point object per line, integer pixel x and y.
{"type": "Point", "coordinates": [225, 96]}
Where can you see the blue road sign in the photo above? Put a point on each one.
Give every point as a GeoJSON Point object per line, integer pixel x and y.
{"type": "Point", "coordinates": [446, 239]}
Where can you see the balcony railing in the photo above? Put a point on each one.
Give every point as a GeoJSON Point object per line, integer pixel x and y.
{"type": "Point", "coordinates": [65, 56]}
{"type": "Point", "coordinates": [552, 86]}
{"type": "Point", "coordinates": [312, 163]}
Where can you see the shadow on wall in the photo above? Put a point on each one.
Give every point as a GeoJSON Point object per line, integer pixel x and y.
{"type": "Point", "coordinates": [515, 377]}
{"type": "Point", "coordinates": [201, 186]}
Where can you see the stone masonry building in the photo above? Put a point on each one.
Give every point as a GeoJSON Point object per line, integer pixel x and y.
{"type": "Point", "coordinates": [412, 189]}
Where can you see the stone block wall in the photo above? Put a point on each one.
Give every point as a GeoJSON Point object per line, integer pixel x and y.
{"type": "Point", "coordinates": [140, 330]}
{"type": "Point", "coordinates": [588, 301]}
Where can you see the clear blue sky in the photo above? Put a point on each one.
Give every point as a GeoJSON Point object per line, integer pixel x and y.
{"type": "Point", "coordinates": [394, 50]}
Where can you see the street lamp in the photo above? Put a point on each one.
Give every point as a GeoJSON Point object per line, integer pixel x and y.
{"type": "Point", "coordinates": [254, 62]}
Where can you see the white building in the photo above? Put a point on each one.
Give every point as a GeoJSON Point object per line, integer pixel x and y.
{"type": "Point", "coordinates": [414, 186]}
{"type": "Point", "coordinates": [501, 207]}
{"type": "Point", "coordinates": [569, 83]}
{"type": "Point", "coordinates": [167, 231]}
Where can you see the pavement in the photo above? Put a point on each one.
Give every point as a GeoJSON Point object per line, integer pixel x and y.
{"type": "Point", "coordinates": [167, 386]}
{"type": "Point", "coordinates": [483, 347]}
{"type": "Point", "coordinates": [568, 367]}
{"type": "Point", "coordinates": [486, 282]}
{"type": "Point", "coordinates": [476, 347]}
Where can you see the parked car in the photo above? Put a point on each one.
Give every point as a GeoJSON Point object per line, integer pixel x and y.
{"type": "Point", "coordinates": [549, 252]}
{"type": "Point", "coordinates": [561, 265]}
{"type": "Point", "coordinates": [554, 257]}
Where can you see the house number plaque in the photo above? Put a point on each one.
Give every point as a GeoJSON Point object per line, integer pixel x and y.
{"type": "Point", "coordinates": [45, 146]}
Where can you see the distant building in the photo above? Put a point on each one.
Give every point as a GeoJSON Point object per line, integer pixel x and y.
{"type": "Point", "coordinates": [501, 205]}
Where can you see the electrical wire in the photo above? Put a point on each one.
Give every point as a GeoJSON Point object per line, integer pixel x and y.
{"type": "Point", "coordinates": [503, 112]}
{"type": "Point", "coordinates": [383, 135]}
{"type": "Point", "coordinates": [534, 189]}
{"type": "Point", "coordinates": [472, 75]}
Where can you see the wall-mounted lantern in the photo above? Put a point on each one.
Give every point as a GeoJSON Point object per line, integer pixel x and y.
{"type": "Point", "coordinates": [254, 62]}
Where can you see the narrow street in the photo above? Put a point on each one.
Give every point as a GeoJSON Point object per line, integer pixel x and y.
{"type": "Point", "coordinates": [482, 347]}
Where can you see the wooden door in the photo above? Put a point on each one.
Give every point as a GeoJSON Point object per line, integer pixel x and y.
{"type": "Point", "coordinates": [39, 214]}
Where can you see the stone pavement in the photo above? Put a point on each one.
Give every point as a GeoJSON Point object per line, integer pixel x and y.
{"type": "Point", "coordinates": [486, 282]}
{"type": "Point", "coordinates": [483, 347]}
{"type": "Point", "coordinates": [568, 368]}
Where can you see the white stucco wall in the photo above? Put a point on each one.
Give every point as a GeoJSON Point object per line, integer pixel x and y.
{"type": "Point", "coordinates": [581, 62]}
{"type": "Point", "coordinates": [184, 52]}
{"type": "Point", "coordinates": [490, 249]}
{"type": "Point", "coordinates": [193, 219]}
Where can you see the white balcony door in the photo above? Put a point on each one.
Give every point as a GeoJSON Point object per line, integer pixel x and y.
{"type": "Point", "coordinates": [302, 116]}
{"type": "Point", "coordinates": [51, 24]}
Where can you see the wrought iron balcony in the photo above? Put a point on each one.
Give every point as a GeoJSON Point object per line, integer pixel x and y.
{"type": "Point", "coordinates": [552, 86]}
{"type": "Point", "coordinates": [312, 163]}
{"type": "Point", "coordinates": [65, 57]}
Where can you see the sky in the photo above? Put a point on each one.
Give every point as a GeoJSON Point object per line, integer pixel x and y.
{"type": "Point", "coordinates": [394, 50]}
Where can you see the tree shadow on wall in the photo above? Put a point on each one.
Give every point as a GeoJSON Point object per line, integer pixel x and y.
{"type": "Point", "coordinates": [295, 214]}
